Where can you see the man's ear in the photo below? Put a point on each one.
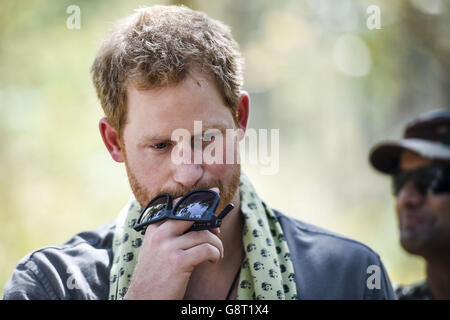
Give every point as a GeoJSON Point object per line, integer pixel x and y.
{"type": "Point", "coordinates": [111, 140]}
{"type": "Point", "coordinates": [243, 112]}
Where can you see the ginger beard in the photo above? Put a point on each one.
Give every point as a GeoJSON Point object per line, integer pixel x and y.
{"type": "Point", "coordinates": [227, 192]}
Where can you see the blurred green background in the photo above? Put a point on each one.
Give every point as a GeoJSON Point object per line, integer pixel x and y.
{"type": "Point", "coordinates": [314, 70]}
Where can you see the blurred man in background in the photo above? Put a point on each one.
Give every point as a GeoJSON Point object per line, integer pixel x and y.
{"type": "Point", "coordinates": [419, 166]}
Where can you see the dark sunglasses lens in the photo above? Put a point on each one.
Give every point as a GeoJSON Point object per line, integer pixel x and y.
{"type": "Point", "coordinates": [441, 182]}
{"type": "Point", "coordinates": [429, 178]}
{"type": "Point", "coordinates": [195, 206]}
{"type": "Point", "coordinates": [424, 178]}
{"type": "Point", "coordinates": [441, 187]}
{"type": "Point", "coordinates": [154, 210]}
{"type": "Point", "coordinates": [399, 179]}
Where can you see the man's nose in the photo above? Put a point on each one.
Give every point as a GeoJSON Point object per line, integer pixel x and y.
{"type": "Point", "coordinates": [410, 196]}
{"type": "Point", "coordinates": [188, 174]}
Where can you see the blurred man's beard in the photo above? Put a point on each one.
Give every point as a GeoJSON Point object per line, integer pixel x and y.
{"type": "Point", "coordinates": [419, 238]}
{"type": "Point", "coordinates": [227, 192]}
{"type": "Point", "coordinates": [421, 242]}
{"type": "Point", "coordinates": [411, 242]}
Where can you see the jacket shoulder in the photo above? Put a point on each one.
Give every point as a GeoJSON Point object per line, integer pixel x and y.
{"type": "Point", "coordinates": [321, 236]}
{"type": "Point", "coordinates": [331, 266]}
{"type": "Point", "coordinates": [76, 269]}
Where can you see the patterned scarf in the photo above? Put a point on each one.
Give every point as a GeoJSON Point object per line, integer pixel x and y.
{"type": "Point", "coordinates": [266, 271]}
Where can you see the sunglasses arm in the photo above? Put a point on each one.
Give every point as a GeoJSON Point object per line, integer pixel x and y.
{"type": "Point", "coordinates": [225, 211]}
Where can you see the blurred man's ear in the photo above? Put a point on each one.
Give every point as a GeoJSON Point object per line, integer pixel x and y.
{"type": "Point", "coordinates": [243, 111]}
{"type": "Point", "coordinates": [111, 140]}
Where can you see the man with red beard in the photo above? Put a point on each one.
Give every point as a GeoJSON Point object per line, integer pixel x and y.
{"type": "Point", "coordinates": [420, 168]}
{"type": "Point", "coordinates": [161, 70]}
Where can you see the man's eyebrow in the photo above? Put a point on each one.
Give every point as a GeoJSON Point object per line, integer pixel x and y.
{"type": "Point", "coordinates": [208, 126]}
{"type": "Point", "coordinates": [147, 138]}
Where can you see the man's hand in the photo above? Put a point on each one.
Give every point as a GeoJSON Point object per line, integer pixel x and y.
{"type": "Point", "coordinates": [168, 257]}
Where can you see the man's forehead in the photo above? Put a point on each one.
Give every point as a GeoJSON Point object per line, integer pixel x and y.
{"type": "Point", "coordinates": [196, 98]}
{"type": "Point", "coordinates": [195, 106]}
{"type": "Point", "coordinates": [196, 80]}
{"type": "Point", "coordinates": [410, 160]}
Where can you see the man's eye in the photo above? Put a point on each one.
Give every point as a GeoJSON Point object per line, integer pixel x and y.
{"type": "Point", "coordinates": [160, 145]}
{"type": "Point", "coordinates": [209, 138]}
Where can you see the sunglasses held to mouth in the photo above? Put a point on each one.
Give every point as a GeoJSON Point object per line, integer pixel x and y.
{"type": "Point", "coordinates": [430, 178]}
{"type": "Point", "coordinates": [197, 205]}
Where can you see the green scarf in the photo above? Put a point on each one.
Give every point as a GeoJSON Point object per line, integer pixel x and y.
{"type": "Point", "coordinates": [266, 271]}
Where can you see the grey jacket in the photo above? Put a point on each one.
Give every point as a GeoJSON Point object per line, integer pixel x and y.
{"type": "Point", "coordinates": [326, 265]}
